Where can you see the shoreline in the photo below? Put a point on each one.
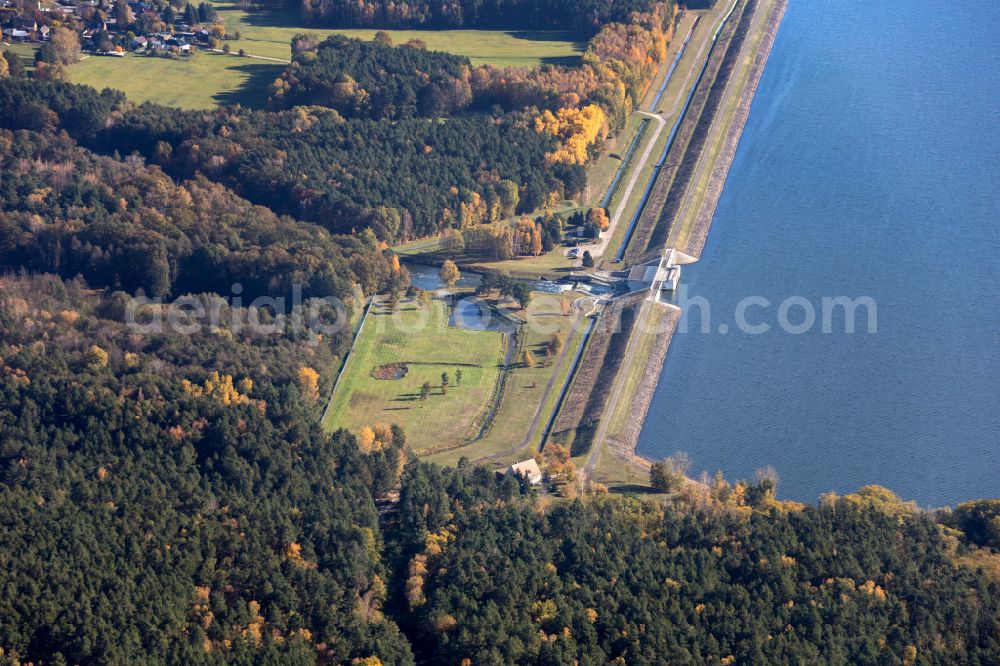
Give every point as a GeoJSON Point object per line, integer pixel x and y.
{"type": "Point", "coordinates": [703, 221]}
{"type": "Point", "coordinates": [623, 447]}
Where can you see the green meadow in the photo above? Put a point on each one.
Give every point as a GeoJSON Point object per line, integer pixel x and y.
{"type": "Point", "coordinates": [201, 82]}
{"type": "Point", "coordinates": [418, 335]}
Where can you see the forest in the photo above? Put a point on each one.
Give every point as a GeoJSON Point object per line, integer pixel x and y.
{"type": "Point", "coordinates": [348, 145]}
{"type": "Point", "coordinates": [170, 498]}
{"type": "Point", "coordinates": [403, 179]}
{"type": "Point", "coordinates": [582, 17]}
{"type": "Point", "coordinates": [373, 79]}
{"type": "Point", "coordinates": [167, 494]}
{"type": "Point", "coordinates": [127, 225]}
{"type": "Point", "coordinates": [860, 579]}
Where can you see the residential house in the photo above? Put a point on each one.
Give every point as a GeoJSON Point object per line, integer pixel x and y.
{"type": "Point", "coordinates": [526, 469]}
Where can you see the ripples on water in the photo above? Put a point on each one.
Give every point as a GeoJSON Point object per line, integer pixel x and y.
{"type": "Point", "coordinates": [869, 167]}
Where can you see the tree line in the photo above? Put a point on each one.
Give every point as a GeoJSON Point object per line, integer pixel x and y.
{"type": "Point", "coordinates": [375, 79]}
{"type": "Point", "coordinates": [582, 17]}
{"type": "Point", "coordinates": [495, 576]}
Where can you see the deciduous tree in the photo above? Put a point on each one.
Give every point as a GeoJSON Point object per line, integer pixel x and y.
{"type": "Point", "coordinates": [308, 380]}
{"type": "Point", "coordinates": [450, 274]}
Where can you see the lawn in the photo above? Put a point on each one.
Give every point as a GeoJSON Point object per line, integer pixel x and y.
{"type": "Point", "coordinates": [269, 33]}
{"type": "Point", "coordinates": [24, 51]}
{"type": "Point", "coordinates": [201, 82]}
{"type": "Point", "coordinates": [553, 264]}
{"type": "Point", "coordinates": [418, 335]}
{"type": "Point", "coordinates": [620, 476]}
{"type": "Point", "coordinates": [516, 423]}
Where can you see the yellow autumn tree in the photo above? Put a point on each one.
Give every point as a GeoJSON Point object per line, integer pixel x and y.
{"type": "Point", "coordinates": [97, 357]}
{"type": "Point", "coordinates": [366, 439]}
{"type": "Point", "coordinates": [575, 129]}
{"type": "Point", "coordinates": [450, 273]}
{"type": "Point", "coordinates": [218, 387]}
{"type": "Point", "coordinates": [308, 382]}
{"type": "Point", "coordinates": [536, 240]}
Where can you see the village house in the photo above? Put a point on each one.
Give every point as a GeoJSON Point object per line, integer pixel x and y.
{"type": "Point", "coordinates": [526, 469]}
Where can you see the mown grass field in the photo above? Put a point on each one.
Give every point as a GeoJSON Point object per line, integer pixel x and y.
{"type": "Point", "coordinates": [418, 333]}
{"type": "Point", "coordinates": [269, 33]}
{"type": "Point", "coordinates": [202, 82]}
{"type": "Point", "coordinates": [526, 386]}
{"type": "Point", "coordinates": [26, 52]}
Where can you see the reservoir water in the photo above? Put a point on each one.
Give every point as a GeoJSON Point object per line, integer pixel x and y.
{"type": "Point", "coordinates": [869, 167]}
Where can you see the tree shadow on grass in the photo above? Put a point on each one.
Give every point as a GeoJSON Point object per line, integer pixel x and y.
{"type": "Point", "coordinates": [266, 18]}
{"type": "Point", "coordinates": [561, 61]}
{"type": "Point", "coordinates": [253, 91]}
{"type": "Point", "coordinates": [633, 489]}
{"type": "Point", "coordinates": [553, 36]}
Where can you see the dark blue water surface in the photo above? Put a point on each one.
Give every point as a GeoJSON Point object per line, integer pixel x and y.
{"type": "Point", "coordinates": [870, 166]}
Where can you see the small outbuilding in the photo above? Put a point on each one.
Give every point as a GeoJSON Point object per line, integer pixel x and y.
{"type": "Point", "coordinates": [659, 274]}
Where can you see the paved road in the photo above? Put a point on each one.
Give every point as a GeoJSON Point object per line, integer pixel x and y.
{"type": "Point", "coordinates": [597, 249]}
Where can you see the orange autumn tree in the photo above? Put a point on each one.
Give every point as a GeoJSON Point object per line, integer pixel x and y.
{"type": "Point", "coordinates": [599, 218]}
{"type": "Point", "coordinates": [526, 237]}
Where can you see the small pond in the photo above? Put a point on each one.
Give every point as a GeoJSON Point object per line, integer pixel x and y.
{"type": "Point", "coordinates": [428, 278]}
{"type": "Point", "coordinates": [470, 315]}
